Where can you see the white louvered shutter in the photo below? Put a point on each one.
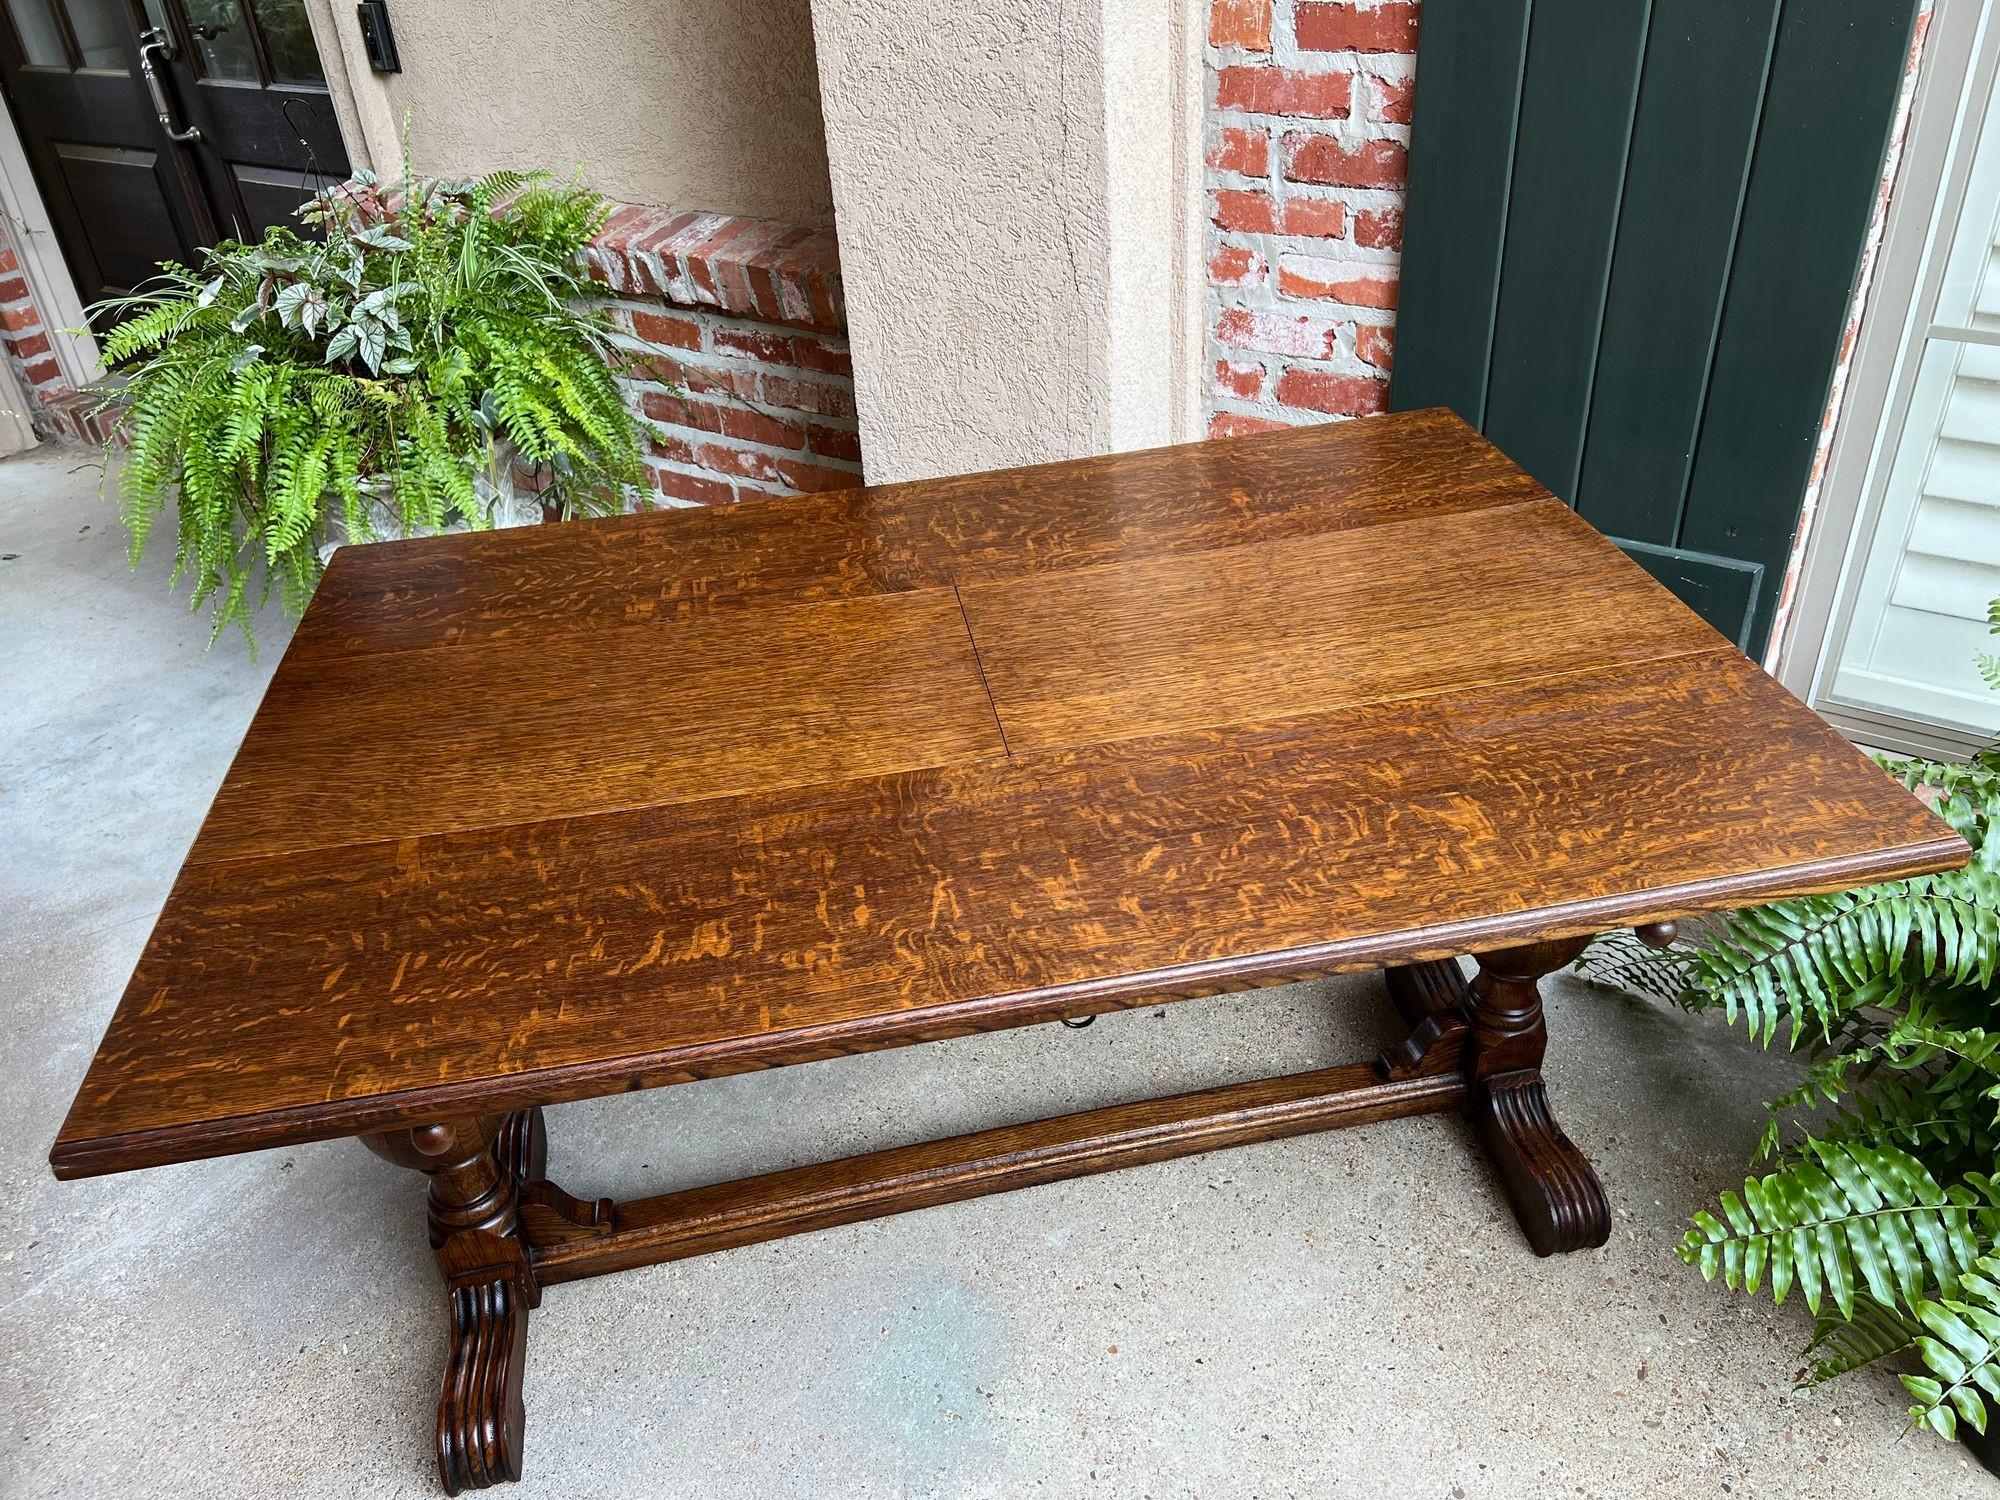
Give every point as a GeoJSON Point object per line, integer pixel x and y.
{"type": "Point", "coordinates": [1920, 613]}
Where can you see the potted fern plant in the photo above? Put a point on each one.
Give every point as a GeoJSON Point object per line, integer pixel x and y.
{"type": "Point", "coordinates": [1879, 1208]}
{"type": "Point", "coordinates": [386, 371]}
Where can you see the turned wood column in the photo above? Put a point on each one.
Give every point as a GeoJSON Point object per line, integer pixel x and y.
{"type": "Point", "coordinates": [476, 1168]}
{"type": "Point", "coordinates": [1554, 1191]}
{"type": "Point", "coordinates": [469, 1187]}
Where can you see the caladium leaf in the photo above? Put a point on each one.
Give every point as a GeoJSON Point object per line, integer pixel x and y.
{"type": "Point", "coordinates": [343, 344]}
{"type": "Point", "coordinates": [301, 305]}
{"type": "Point", "coordinates": [382, 299]}
{"type": "Point", "coordinates": [374, 343]}
{"type": "Point", "coordinates": [379, 237]}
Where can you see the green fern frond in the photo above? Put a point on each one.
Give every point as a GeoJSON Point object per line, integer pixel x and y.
{"type": "Point", "coordinates": [1918, 1115]}
{"type": "Point", "coordinates": [1880, 1209]}
{"type": "Point", "coordinates": [1619, 961]}
{"type": "Point", "coordinates": [468, 307]}
{"type": "Point", "coordinates": [1812, 960]}
{"type": "Point", "coordinates": [1960, 1347]}
{"type": "Point", "coordinates": [1875, 1210]}
{"type": "Point", "coordinates": [1842, 1344]}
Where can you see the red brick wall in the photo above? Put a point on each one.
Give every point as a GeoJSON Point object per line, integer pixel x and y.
{"type": "Point", "coordinates": [753, 391]}
{"type": "Point", "coordinates": [25, 336]}
{"type": "Point", "coordinates": [1308, 150]}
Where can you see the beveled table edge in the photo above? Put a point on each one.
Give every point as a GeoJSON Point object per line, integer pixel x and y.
{"type": "Point", "coordinates": [334, 1119]}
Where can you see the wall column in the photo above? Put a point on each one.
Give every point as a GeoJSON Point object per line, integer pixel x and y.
{"type": "Point", "coordinates": [1017, 194]}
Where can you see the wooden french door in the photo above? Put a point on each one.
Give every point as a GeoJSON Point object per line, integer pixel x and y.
{"type": "Point", "coordinates": [158, 127]}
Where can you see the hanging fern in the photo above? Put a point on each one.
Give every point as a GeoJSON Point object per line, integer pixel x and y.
{"type": "Point", "coordinates": [384, 369]}
{"type": "Point", "coordinates": [1880, 1208]}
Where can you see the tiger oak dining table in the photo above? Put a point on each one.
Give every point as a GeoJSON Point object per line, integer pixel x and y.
{"type": "Point", "coordinates": [531, 816]}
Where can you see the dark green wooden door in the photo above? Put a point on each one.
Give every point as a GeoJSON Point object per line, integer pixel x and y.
{"type": "Point", "coordinates": [1633, 232]}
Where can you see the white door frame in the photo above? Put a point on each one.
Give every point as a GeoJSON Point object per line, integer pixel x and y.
{"type": "Point", "coordinates": [49, 282]}
{"type": "Point", "coordinates": [1960, 61]}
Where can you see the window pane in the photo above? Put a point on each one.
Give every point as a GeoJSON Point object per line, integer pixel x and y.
{"type": "Point", "coordinates": [41, 38]}
{"type": "Point", "coordinates": [100, 26]}
{"type": "Point", "coordinates": [288, 41]}
{"type": "Point", "coordinates": [223, 40]}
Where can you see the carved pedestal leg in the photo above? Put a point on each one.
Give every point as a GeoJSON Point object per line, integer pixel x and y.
{"type": "Point", "coordinates": [476, 1168]}
{"type": "Point", "coordinates": [1432, 998]}
{"type": "Point", "coordinates": [1555, 1193]}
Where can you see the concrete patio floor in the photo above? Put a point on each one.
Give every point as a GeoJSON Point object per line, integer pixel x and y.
{"type": "Point", "coordinates": [1350, 1314]}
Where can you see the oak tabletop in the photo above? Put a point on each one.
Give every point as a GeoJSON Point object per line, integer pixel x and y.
{"type": "Point", "coordinates": [533, 815]}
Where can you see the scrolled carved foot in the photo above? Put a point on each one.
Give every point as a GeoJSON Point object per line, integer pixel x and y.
{"type": "Point", "coordinates": [481, 1415]}
{"type": "Point", "coordinates": [1554, 1190]}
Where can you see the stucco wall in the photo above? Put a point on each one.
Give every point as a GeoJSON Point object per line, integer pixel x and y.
{"type": "Point", "coordinates": [709, 104]}
{"type": "Point", "coordinates": [970, 174]}
{"type": "Point", "coordinates": [1008, 251]}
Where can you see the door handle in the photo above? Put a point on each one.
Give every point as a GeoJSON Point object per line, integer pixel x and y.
{"type": "Point", "coordinates": [153, 49]}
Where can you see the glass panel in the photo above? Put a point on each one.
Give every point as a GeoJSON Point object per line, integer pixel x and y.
{"type": "Point", "coordinates": [223, 40]}
{"type": "Point", "coordinates": [41, 37]}
{"type": "Point", "coordinates": [100, 27]}
{"type": "Point", "coordinates": [288, 41]}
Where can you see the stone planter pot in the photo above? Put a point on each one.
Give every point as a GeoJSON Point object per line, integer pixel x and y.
{"type": "Point", "coordinates": [507, 502]}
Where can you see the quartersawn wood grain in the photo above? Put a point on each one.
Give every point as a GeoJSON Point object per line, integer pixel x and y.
{"type": "Point", "coordinates": [1311, 623]}
{"type": "Point", "coordinates": [702, 1220]}
{"type": "Point", "coordinates": [541, 582]}
{"type": "Point", "coordinates": [528, 818]}
{"type": "Point", "coordinates": [397, 744]}
{"type": "Point", "coordinates": [415, 742]}
{"type": "Point", "coordinates": [328, 992]}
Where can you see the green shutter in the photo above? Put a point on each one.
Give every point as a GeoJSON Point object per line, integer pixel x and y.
{"type": "Point", "coordinates": [1633, 232]}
